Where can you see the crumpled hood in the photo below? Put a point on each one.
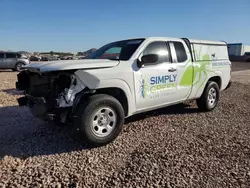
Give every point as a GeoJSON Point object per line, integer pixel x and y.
{"type": "Point", "coordinates": [70, 65]}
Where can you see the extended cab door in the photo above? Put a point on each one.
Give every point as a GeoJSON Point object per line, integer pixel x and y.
{"type": "Point", "coordinates": [155, 84]}
{"type": "Point", "coordinates": [184, 69]}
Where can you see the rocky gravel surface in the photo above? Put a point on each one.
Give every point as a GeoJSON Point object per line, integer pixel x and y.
{"type": "Point", "coordinates": [172, 147]}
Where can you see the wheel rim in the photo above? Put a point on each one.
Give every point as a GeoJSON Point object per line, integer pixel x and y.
{"type": "Point", "coordinates": [212, 97]}
{"type": "Point", "coordinates": [19, 66]}
{"type": "Point", "coordinates": [103, 121]}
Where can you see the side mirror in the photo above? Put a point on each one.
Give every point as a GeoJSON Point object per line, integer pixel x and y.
{"type": "Point", "coordinates": [147, 59]}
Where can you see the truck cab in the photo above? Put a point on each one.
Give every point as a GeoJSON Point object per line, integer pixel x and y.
{"type": "Point", "coordinates": [124, 78]}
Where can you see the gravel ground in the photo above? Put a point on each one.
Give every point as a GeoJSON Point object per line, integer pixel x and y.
{"type": "Point", "coordinates": [240, 66]}
{"type": "Point", "coordinates": [172, 147]}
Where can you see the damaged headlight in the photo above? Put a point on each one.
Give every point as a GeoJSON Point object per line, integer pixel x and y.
{"type": "Point", "coordinates": [66, 98]}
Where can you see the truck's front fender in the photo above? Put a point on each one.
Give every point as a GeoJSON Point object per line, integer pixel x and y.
{"type": "Point", "coordinates": [93, 82]}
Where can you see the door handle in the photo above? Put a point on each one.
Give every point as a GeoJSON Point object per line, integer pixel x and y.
{"type": "Point", "coordinates": [172, 70]}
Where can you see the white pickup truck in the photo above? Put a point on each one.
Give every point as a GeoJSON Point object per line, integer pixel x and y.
{"type": "Point", "coordinates": [124, 78]}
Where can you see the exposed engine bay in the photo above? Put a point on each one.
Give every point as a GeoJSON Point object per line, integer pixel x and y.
{"type": "Point", "coordinates": [49, 93]}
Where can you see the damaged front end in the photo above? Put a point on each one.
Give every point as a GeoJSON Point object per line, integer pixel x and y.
{"type": "Point", "coordinates": [49, 95]}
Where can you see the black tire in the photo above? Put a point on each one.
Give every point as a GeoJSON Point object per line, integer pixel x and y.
{"type": "Point", "coordinates": [203, 102]}
{"type": "Point", "coordinates": [18, 67]}
{"type": "Point", "coordinates": [85, 117]}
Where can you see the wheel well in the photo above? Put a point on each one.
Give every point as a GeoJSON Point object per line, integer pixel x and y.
{"type": "Point", "coordinates": [19, 62]}
{"type": "Point", "coordinates": [117, 93]}
{"type": "Point", "coordinates": [216, 79]}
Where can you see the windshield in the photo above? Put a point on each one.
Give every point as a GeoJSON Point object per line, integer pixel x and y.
{"type": "Point", "coordinates": [120, 50]}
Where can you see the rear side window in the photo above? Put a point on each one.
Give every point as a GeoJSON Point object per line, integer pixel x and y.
{"type": "Point", "coordinates": [10, 55]}
{"type": "Point", "coordinates": [1, 55]}
{"type": "Point", "coordinates": [160, 48]}
{"type": "Point", "coordinates": [180, 52]}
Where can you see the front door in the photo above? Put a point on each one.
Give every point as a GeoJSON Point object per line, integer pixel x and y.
{"type": "Point", "coordinates": [155, 84]}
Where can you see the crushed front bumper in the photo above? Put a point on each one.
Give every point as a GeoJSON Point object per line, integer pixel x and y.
{"type": "Point", "coordinates": [37, 105]}
{"type": "Point", "coordinates": [28, 99]}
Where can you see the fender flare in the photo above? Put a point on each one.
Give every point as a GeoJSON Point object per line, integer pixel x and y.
{"type": "Point", "coordinates": [218, 74]}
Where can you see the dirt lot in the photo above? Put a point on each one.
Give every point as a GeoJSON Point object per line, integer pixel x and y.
{"type": "Point", "coordinates": [172, 147]}
{"type": "Point", "coordinates": [240, 66]}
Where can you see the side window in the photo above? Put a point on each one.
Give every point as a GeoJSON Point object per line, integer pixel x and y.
{"type": "Point", "coordinates": [18, 55]}
{"type": "Point", "coordinates": [180, 52]}
{"type": "Point", "coordinates": [10, 55]}
{"type": "Point", "coordinates": [159, 48]}
{"type": "Point", "coordinates": [1, 55]}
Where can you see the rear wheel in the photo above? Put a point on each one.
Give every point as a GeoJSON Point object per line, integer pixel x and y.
{"type": "Point", "coordinates": [210, 97]}
{"type": "Point", "coordinates": [100, 119]}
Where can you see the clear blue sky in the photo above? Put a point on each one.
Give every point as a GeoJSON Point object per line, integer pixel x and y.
{"type": "Point", "coordinates": [77, 25]}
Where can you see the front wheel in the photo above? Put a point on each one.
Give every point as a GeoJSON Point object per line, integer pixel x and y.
{"type": "Point", "coordinates": [100, 119]}
{"type": "Point", "coordinates": [210, 97]}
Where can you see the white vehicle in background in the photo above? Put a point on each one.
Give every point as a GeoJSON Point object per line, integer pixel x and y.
{"type": "Point", "coordinates": [124, 78]}
{"type": "Point", "coordinates": [13, 60]}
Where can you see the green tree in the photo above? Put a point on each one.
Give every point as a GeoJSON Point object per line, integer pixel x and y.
{"type": "Point", "coordinates": [51, 53]}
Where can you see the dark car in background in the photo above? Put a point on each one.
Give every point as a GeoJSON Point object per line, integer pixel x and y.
{"type": "Point", "coordinates": [247, 57]}
{"type": "Point", "coordinates": [35, 58]}
{"type": "Point", "coordinates": [44, 58]}
{"type": "Point", "coordinates": [49, 58]}
{"type": "Point", "coordinates": [53, 58]}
